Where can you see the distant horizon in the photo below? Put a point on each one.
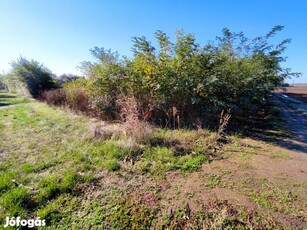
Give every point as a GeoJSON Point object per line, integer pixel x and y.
{"type": "Point", "coordinates": [297, 84]}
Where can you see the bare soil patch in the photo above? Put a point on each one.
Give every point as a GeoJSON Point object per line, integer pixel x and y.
{"type": "Point", "coordinates": [272, 180]}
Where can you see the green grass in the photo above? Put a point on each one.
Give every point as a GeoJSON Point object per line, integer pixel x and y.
{"type": "Point", "coordinates": [112, 165]}
{"type": "Point", "coordinates": [52, 154]}
{"type": "Point", "coordinates": [190, 163]}
{"type": "Point", "coordinates": [11, 99]}
{"type": "Point", "coordinates": [15, 202]}
{"type": "Point", "coordinates": [281, 155]}
{"type": "Point", "coordinates": [53, 167]}
{"type": "Point", "coordinates": [244, 156]}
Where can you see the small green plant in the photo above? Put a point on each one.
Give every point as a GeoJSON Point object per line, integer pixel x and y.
{"type": "Point", "coordinates": [69, 181]}
{"type": "Point", "coordinates": [143, 165]}
{"type": "Point", "coordinates": [112, 165]}
{"type": "Point", "coordinates": [6, 181]}
{"type": "Point", "coordinates": [264, 199]}
{"type": "Point", "coordinates": [57, 212]}
{"type": "Point", "coordinates": [47, 212]}
{"type": "Point", "coordinates": [49, 188]}
{"type": "Point", "coordinates": [133, 211]}
{"type": "Point", "coordinates": [213, 180]}
{"type": "Point", "coordinates": [244, 156]}
{"type": "Point", "coordinates": [245, 166]}
{"type": "Point", "coordinates": [190, 163]}
{"type": "Point", "coordinates": [112, 151]}
{"type": "Point", "coordinates": [15, 201]}
{"type": "Point", "coordinates": [281, 155]}
{"type": "Point", "coordinates": [235, 136]}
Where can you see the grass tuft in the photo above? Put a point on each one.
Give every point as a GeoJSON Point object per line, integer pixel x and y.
{"type": "Point", "coordinates": [112, 165]}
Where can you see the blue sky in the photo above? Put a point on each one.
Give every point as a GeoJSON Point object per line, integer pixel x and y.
{"type": "Point", "coordinates": [59, 33]}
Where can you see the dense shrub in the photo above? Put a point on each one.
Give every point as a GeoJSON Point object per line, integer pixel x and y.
{"type": "Point", "coordinates": [75, 99]}
{"type": "Point", "coordinates": [55, 97]}
{"type": "Point", "coordinates": [29, 78]}
{"type": "Point", "coordinates": [182, 83]}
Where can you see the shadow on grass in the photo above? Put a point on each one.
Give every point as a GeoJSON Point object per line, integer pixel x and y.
{"type": "Point", "coordinates": [291, 141]}
{"type": "Point", "coordinates": [285, 127]}
{"type": "Point", "coordinates": [9, 99]}
{"type": "Point", "coordinates": [7, 96]}
{"type": "Point", "coordinates": [4, 104]}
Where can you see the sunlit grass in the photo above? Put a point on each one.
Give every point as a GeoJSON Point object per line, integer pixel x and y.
{"type": "Point", "coordinates": [52, 166]}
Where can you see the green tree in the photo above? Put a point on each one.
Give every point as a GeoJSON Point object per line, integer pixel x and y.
{"type": "Point", "coordinates": [182, 77]}
{"type": "Point", "coordinates": [106, 79]}
{"type": "Point", "coordinates": [33, 76]}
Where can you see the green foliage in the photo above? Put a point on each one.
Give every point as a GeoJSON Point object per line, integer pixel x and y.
{"type": "Point", "coordinates": [6, 181]}
{"type": "Point", "coordinates": [49, 211]}
{"type": "Point", "coordinates": [29, 77]}
{"type": "Point", "coordinates": [178, 83]}
{"type": "Point", "coordinates": [112, 151]}
{"type": "Point", "coordinates": [15, 201]}
{"type": "Point", "coordinates": [190, 163]}
{"type": "Point", "coordinates": [69, 181]}
{"type": "Point", "coordinates": [131, 212]}
{"type": "Point", "coordinates": [50, 188]}
{"type": "Point", "coordinates": [106, 79]}
{"type": "Point", "coordinates": [54, 185]}
{"type": "Point", "coordinates": [112, 165]}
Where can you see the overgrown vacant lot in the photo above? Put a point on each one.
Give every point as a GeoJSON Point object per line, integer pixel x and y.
{"type": "Point", "coordinates": [78, 172]}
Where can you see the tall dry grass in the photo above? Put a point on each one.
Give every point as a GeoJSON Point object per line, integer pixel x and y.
{"type": "Point", "coordinates": [133, 126]}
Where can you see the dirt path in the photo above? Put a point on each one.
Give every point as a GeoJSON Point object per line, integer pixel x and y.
{"type": "Point", "coordinates": [254, 174]}
{"type": "Point", "coordinates": [294, 113]}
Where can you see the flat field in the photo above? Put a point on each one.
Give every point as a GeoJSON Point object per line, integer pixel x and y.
{"type": "Point", "coordinates": [298, 92]}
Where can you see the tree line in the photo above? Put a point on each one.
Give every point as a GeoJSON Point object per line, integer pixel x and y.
{"type": "Point", "coordinates": [172, 84]}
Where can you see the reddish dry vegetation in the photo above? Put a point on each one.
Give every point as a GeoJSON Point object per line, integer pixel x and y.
{"type": "Point", "coordinates": [298, 92]}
